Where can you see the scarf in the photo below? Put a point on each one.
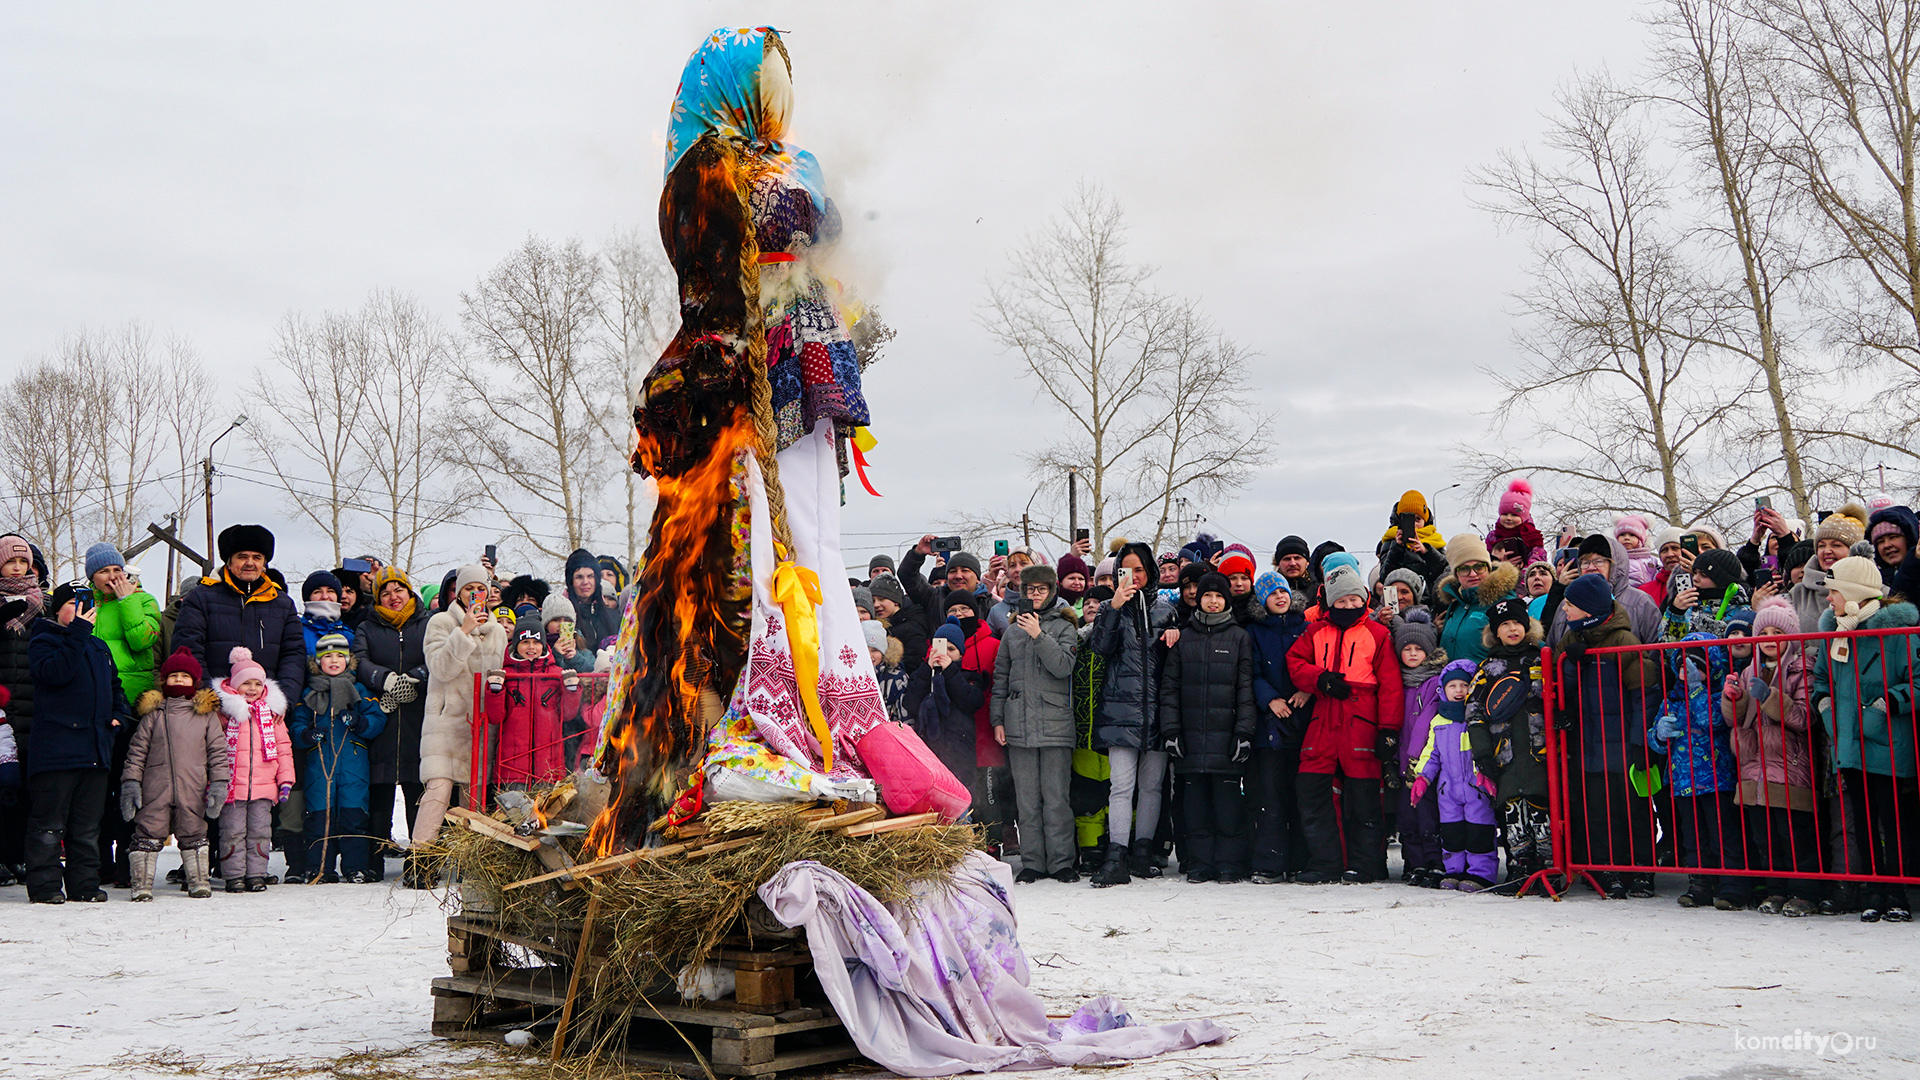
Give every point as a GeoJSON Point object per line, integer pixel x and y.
{"type": "Point", "coordinates": [338, 694]}
{"type": "Point", "coordinates": [934, 708]}
{"type": "Point", "coordinates": [24, 588]}
{"type": "Point", "coordinates": [1212, 620]}
{"type": "Point", "coordinates": [324, 611]}
{"type": "Point", "coordinates": [395, 619]}
{"type": "Point", "coordinates": [259, 713]}
{"type": "Point", "coordinates": [1411, 677]}
{"type": "Point", "coordinates": [1346, 618]}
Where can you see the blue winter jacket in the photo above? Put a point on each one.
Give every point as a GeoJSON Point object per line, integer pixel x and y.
{"type": "Point", "coordinates": [76, 696]}
{"type": "Point", "coordinates": [332, 726]}
{"type": "Point", "coordinates": [1272, 636]}
{"type": "Point", "coordinates": [312, 629]}
{"type": "Point", "coordinates": [1700, 759]}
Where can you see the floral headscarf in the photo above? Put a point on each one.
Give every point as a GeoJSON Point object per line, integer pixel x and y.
{"type": "Point", "coordinates": [719, 92]}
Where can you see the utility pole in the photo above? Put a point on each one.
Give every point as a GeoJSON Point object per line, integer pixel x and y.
{"type": "Point", "coordinates": [1073, 508]}
{"type": "Point", "coordinates": [1026, 531]}
{"type": "Point", "coordinates": [237, 421]}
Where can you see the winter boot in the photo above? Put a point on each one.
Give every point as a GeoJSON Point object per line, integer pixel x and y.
{"type": "Point", "coordinates": [141, 866]}
{"type": "Point", "coordinates": [199, 885]}
{"type": "Point", "coordinates": [1114, 870]}
{"type": "Point", "coordinates": [1140, 860]}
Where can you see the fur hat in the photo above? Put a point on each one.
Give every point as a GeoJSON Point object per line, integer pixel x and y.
{"type": "Point", "coordinates": [876, 636]}
{"type": "Point", "coordinates": [1518, 499]}
{"type": "Point", "coordinates": [1416, 628]}
{"type": "Point", "coordinates": [182, 662]}
{"type": "Point", "coordinates": [1289, 545]}
{"type": "Point", "coordinates": [1633, 525]}
{"type": "Point", "coordinates": [880, 562]}
{"type": "Point", "coordinates": [102, 555]}
{"type": "Point", "coordinates": [332, 643]}
{"type": "Point", "coordinates": [557, 607]}
{"type": "Point", "coordinates": [1039, 574]}
{"type": "Point", "coordinates": [888, 587]}
{"type": "Point", "coordinates": [1266, 585]}
{"type": "Point", "coordinates": [863, 600]}
{"type": "Point", "coordinates": [1215, 582]}
{"type": "Point", "coordinates": [1512, 609]}
{"type": "Point", "coordinates": [1591, 593]}
{"type": "Point", "coordinates": [1846, 525]}
{"type": "Point", "coordinates": [1721, 565]}
{"type": "Point", "coordinates": [241, 665]}
{"type": "Point", "coordinates": [319, 579]}
{"type": "Point", "coordinates": [237, 538]}
{"type": "Point", "coordinates": [525, 588]}
{"type": "Point", "coordinates": [964, 560]}
{"type": "Point", "coordinates": [1855, 578]}
{"type": "Point", "coordinates": [1343, 581]}
{"type": "Point", "coordinates": [1238, 560]}
{"type": "Point", "coordinates": [1465, 548]}
{"type": "Point", "coordinates": [1776, 613]}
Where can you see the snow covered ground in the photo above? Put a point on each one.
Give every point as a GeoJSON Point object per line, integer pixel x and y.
{"type": "Point", "coordinates": [1327, 981]}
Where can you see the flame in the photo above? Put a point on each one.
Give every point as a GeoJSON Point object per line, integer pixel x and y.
{"type": "Point", "coordinates": [691, 644]}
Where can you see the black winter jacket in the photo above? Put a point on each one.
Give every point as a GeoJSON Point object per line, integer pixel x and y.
{"type": "Point", "coordinates": [17, 677]}
{"type": "Point", "coordinates": [79, 699]}
{"type": "Point", "coordinates": [1206, 695]}
{"type": "Point", "coordinates": [1129, 638]}
{"type": "Point", "coordinates": [383, 650]}
{"type": "Point", "coordinates": [215, 617]}
{"type": "Point", "coordinates": [931, 598]}
{"type": "Point", "coordinates": [909, 627]}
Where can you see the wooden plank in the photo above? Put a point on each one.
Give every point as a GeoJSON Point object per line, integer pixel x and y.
{"type": "Point", "coordinates": [800, 1059]}
{"type": "Point", "coordinates": [498, 830]}
{"type": "Point", "coordinates": [724, 845]}
{"type": "Point", "coordinates": [533, 986]}
{"type": "Point", "coordinates": [573, 983]}
{"type": "Point", "coordinates": [562, 946]}
{"type": "Point", "coordinates": [851, 817]}
{"type": "Point", "coordinates": [758, 958]}
{"type": "Point", "coordinates": [601, 866]}
{"type": "Point", "coordinates": [911, 821]}
{"type": "Point", "coordinates": [757, 1050]}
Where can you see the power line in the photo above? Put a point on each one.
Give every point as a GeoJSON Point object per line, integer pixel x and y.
{"type": "Point", "coordinates": [129, 486]}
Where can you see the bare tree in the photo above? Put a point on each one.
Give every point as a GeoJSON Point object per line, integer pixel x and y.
{"type": "Point", "coordinates": [117, 366]}
{"type": "Point", "coordinates": [316, 403]}
{"type": "Point", "coordinates": [47, 452]}
{"type": "Point", "coordinates": [192, 416]}
{"type": "Point", "coordinates": [1620, 369]}
{"type": "Point", "coordinates": [408, 359]}
{"type": "Point", "coordinates": [640, 313]}
{"type": "Point", "coordinates": [1109, 350]}
{"type": "Point", "coordinates": [533, 425]}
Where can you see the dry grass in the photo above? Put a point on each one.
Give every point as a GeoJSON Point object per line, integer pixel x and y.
{"type": "Point", "coordinates": [439, 1061]}
{"type": "Point", "coordinates": [478, 861]}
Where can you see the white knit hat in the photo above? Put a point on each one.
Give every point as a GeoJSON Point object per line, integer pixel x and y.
{"type": "Point", "coordinates": [1669, 535]}
{"type": "Point", "coordinates": [1857, 579]}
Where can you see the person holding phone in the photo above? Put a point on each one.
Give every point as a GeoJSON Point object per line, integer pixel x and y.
{"type": "Point", "coordinates": [462, 641]}
{"type": "Point", "coordinates": [1033, 719]}
{"type": "Point", "coordinates": [1833, 540]}
{"type": "Point", "coordinates": [1128, 634]}
{"type": "Point", "coordinates": [942, 698]}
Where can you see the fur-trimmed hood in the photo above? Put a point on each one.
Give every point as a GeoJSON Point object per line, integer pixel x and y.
{"type": "Point", "coordinates": [150, 701]}
{"type": "Point", "coordinates": [1535, 635]}
{"type": "Point", "coordinates": [234, 704]}
{"type": "Point", "coordinates": [1501, 582]}
{"type": "Point", "coordinates": [313, 664]}
{"type": "Point", "coordinates": [895, 652]}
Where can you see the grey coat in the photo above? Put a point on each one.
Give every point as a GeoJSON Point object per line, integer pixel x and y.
{"type": "Point", "coordinates": [1032, 681]}
{"type": "Point", "coordinates": [1809, 598]}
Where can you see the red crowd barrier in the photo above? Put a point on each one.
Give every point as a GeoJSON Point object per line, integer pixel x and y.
{"type": "Point", "coordinates": [1664, 758]}
{"type": "Point", "coordinates": [546, 731]}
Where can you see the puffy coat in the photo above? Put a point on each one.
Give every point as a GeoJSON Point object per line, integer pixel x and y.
{"type": "Point", "coordinates": [1809, 598]}
{"type": "Point", "coordinates": [313, 628]}
{"type": "Point", "coordinates": [1463, 616]}
{"type": "Point", "coordinates": [258, 770]}
{"type": "Point", "coordinates": [949, 733]}
{"type": "Point", "coordinates": [78, 706]}
{"type": "Point", "coordinates": [1903, 579]}
{"type": "Point", "coordinates": [333, 726]}
{"type": "Point", "coordinates": [979, 657]}
{"type": "Point", "coordinates": [1206, 695]}
{"type": "Point", "coordinates": [1506, 719]}
{"type": "Point", "coordinates": [217, 615]}
{"type": "Point", "coordinates": [178, 750]}
{"type": "Point", "coordinates": [16, 674]}
{"type": "Point", "coordinates": [1771, 740]}
{"type": "Point", "coordinates": [453, 659]}
{"type": "Point", "coordinates": [380, 650]}
{"type": "Point", "coordinates": [1862, 734]}
{"type": "Point", "coordinates": [1343, 734]}
{"type": "Point", "coordinates": [1129, 639]}
{"type": "Point", "coordinates": [908, 626]}
{"type": "Point", "coordinates": [1033, 681]}
{"type": "Point", "coordinates": [1606, 698]}
{"type": "Point", "coordinates": [131, 629]}
{"type": "Point", "coordinates": [1419, 704]}
{"type": "Point", "coordinates": [1272, 636]}
{"type": "Point", "coordinates": [531, 709]}
{"type": "Point", "coordinates": [591, 617]}
{"type": "Point", "coordinates": [1700, 758]}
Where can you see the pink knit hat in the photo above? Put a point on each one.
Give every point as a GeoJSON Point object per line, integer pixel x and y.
{"type": "Point", "coordinates": [1775, 613]}
{"type": "Point", "coordinates": [242, 666]}
{"type": "Point", "coordinates": [1633, 525]}
{"type": "Point", "coordinates": [1518, 499]}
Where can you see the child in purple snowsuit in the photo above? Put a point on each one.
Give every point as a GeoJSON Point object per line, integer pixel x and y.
{"type": "Point", "coordinates": [1467, 832]}
{"type": "Point", "coordinates": [1418, 819]}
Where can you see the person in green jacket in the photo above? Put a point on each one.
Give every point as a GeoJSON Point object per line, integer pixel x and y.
{"type": "Point", "coordinates": [128, 619]}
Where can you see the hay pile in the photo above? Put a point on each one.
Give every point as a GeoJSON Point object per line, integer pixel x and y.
{"type": "Point", "coordinates": [481, 865]}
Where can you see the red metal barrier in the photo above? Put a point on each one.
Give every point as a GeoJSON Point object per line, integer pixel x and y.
{"type": "Point", "coordinates": [540, 740]}
{"type": "Point", "coordinates": [1691, 772]}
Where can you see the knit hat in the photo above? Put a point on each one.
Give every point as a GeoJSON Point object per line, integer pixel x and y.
{"type": "Point", "coordinates": [1215, 582]}
{"type": "Point", "coordinates": [102, 555]}
{"type": "Point", "coordinates": [527, 633]}
{"type": "Point", "coordinates": [61, 594]}
{"type": "Point", "coordinates": [863, 600]}
{"type": "Point", "coordinates": [1458, 671]}
{"type": "Point", "coordinates": [1597, 544]}
{"type": "Point", "coordinates": [1855, 578]}
{"type": "Point", "coordinates": [241, 665]}
{"type": "Point", "coordinates": [1592, 593]}
{"type": "Point", "coordinates": [1105, 568]}
{"type": "Point", "coordinates": [332, 643]}
{"type": "Point", "coordinates": [183, 662]}
{"type": "Point", "coordinates": [1412, 503]}
{"type": "Point", "coordinates": [1708, 531]}
{"type": "Point", "coordinates": [876, 636]}
{"type": "Point", "coordinates": [1847, 525]}
{"type": "Point", "coordinates": [1316, 561]}
{"type": "Point", "coordinates": [1336, 560]}
{"type": "Point", "coordinates": [1883, 527]}
{"type": "Point", "coordinates": [319, 579]}
{"type": "Point", "coordinates": [1073, 564]}
{"type": "Point", "coordinates": [1541, 563]}
{"type": "Point", "coordinates": [1720, 565]}
{"type": "Point", "coordinates": [1518, 499]}
{"type": "Point", "coordinates": [964, 560]}
{"type": "Point", "coordinates": [527, 613]}
{"type": "Point", "coordinates": [888, 587]}
{"type": "Point", "coordinates": [1416, 628]}
{"type": "Point", "coordinates": [557, 607]}
{"type": "Point", "coordinates": [1465, 548]}
{"type": "Point", "coordinates": [1776, 613]}
{"type": "Point", "coordinates": [1632, 525]}
{"type": "Point", "coordinates": [237, 538]}
{"type": "Point", "coordinates": [1669, 535]}
{"type": "Point", "coordinates": [1266, 585]}
{"type": "Point", "coordinates": [880, 562]}
{"type": "Point", "coordinates": [1512, 609]}
{"type": "Point", "coordinates": [1862, 547]}
{"type": "Point", "coordinates": [1739, 619]}
{"type": "Point", "coordinates": [964, 599]}
{"type": "Point", "coordinates": [15, 547]}
{"type": "Point", "coordinates": [1168, 557]}
{"type": "Point", "coordinates": [1289, 545]}
{"type": "Point", "coordinates": [1238, 560]}
{"type": "Point", "coordinates": [953, 634]}
{"type": "Point", "coordinates": [1411, 579]}
{"type": "Point", "coordinates": [1344, 581]}
{"type": "Point", "coordinates": [1799, 554]}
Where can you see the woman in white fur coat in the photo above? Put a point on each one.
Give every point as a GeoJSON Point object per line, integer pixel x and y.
{"type": "Point", "coordinates": [462, 641]}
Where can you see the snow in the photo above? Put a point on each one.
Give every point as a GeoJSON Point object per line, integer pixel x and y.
{"type": "Point", "coordinates": [1323, 981]}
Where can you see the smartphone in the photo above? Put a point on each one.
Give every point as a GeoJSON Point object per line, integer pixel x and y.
{"type": "Point", "coordinates": [356, 566]}
{"type": "Point", "coordinates": [1680, 582]}
{"type": "Point", "coordinates": [83, 599]}
{"type": "Point", "coordinates": [1763, 502]}
{"type": "Point", "coordinates": [493, 553]}
{"type": "Point", "coordinates": [1762, 576]}
{"type": "Point", "coordinates": [1390, 599]}
{"type": "Point", "coordinates": [1083, 534]}
{"type": "Point", "coordinates": [1406, 524]}
{"type": "Point", "coordinates": [1691, 543]}
{"type": "Point", "coordinates": [1000, 548]}
{"type": "Point", "coordinates": [1017, 605]}
{"type": "Point", "coordinates": [946, 544]}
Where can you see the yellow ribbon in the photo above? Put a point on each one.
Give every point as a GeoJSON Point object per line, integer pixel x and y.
{"type": "Point", "coordinates": [797, 590]}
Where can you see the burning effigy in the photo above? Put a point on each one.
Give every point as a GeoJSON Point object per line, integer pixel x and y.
{"type": "Point", "coordinates": [750, 806]}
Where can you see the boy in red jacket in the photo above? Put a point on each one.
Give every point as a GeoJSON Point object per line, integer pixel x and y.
{"type": "Point", "coordinates": [531, 702]}
{"type": "Point", "coordinates": [1347, 662]}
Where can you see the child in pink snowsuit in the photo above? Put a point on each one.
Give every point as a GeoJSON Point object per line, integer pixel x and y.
{"type": "Point", "coordinates": [1468, 846]}
{"type": "Point", "coordinates": [255, 713]}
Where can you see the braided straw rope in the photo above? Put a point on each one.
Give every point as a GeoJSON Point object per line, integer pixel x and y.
{"type": "Point", "coordinates": [766, 433]}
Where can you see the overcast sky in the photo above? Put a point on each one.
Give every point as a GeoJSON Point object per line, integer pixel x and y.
{"type": "Point", "coordinates": [1299, 168]}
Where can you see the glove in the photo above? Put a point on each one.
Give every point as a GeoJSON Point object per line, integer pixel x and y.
{"type": "Point", "coordinates": [1242, 750]}
{"type": "Point", "coordinates": [1486, 785]}
{"type": "Point", "coordinates": [311, 736]}
{"type": "Point", "coordinates": [129, 799]}
{"type": "Point", "coordinates": [572, 680]}
{"type": "Point", "coordinates": [1386, 744]}
{"type": "Point", "coordinates": [418, 675]}
{"type": "Point", "coordinates": [1668, 728]}
{"type": "Point", "coordinates": [286, 790]}
{"type": "Point", "coordinates": [13, 608]}
{"type": "Point", "coordinates": [1759, 689]}
{"type": "Point", "coordinates": [357, 725]}
{"type": "Point", "coordinates": [1334, 685]}
{"type": "Point", "coordinates": [1574, 648]}
{"type": "Point", "coordinates": [1417, 790]}
{"type": "Point", "coordinates": [496, 682]}
{"type": "Point", "coordinates": [1173, 748]}
{"type": "Point", "coordinates": [216, 798]}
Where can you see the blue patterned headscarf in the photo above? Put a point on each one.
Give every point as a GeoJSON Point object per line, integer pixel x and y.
{"type": "Point", "coordinates": [719, 91]}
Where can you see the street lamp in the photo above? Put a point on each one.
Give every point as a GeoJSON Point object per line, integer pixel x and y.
{"type": "Point", "coordinates": [231, 428]}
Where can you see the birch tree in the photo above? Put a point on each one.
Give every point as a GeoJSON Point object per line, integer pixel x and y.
{"type": "Point", "coordinates": [407, 359]}
{"type": "Point", "coordinates": [311, 410]}
{"type": "Point", "coordinates": [639, 315]}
